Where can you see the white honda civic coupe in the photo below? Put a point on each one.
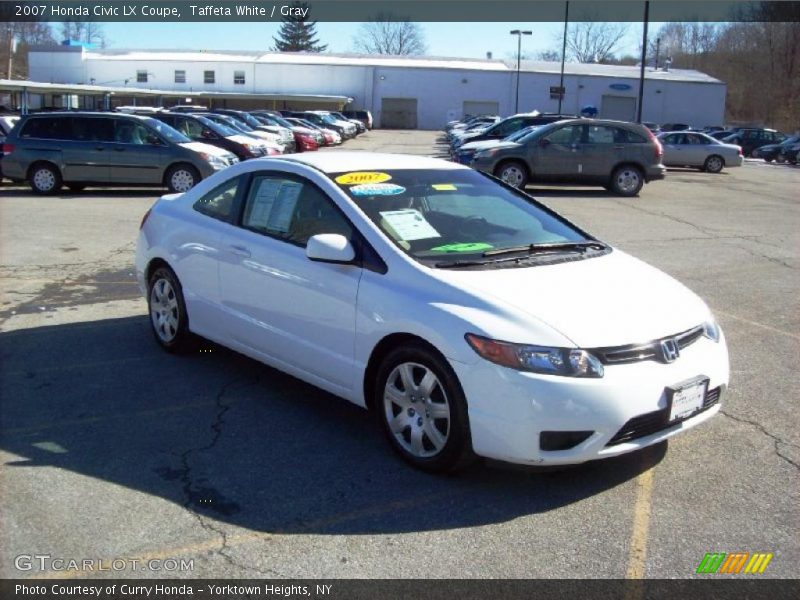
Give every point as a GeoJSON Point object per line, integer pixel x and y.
{"type": "Point", "coordinates": [472, 319]}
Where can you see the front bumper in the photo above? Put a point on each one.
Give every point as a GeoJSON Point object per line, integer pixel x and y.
{"type": "Point", "coordinates": [508, 409]}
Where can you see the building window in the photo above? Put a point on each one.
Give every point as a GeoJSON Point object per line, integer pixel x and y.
{"type": "Point", "coordinates": [208, 76]}
{"type": "Point", "coordinates": [141, 76]}
{"type": "Point", "coordinates": [180, 76]}
{"type": "Point", "coordinates": [238, 77]}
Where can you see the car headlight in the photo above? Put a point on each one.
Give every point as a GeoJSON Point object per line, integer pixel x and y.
{"type": "Point", "coordinates": [711, 330]}
{"type": "Point", "coordinates": [486, 153]}
{"type": "Point", "coordinates": [214, 161]}
{"type": "Point", "coordinates": [567, 362]}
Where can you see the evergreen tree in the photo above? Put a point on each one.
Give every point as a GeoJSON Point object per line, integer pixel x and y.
{"type": "Point", "coordinates": [298, 35]}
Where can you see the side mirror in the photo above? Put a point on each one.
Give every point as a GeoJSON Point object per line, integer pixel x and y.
{"type": "Point", "coordinates": [153, 140]}
{"type": "Point", "coordinates": [544, 142]}
{"type": "Point", "coordinates": [330, 248]}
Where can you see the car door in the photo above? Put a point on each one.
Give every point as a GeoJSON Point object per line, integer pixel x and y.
{"type": "Point", "coordinates": [599, 152]}
{"type": "Point", "coordinates": [672, 148]}
{"type": "Point", "coordinates": [85, 148]}
{"type": "Point", "coordinates": [695, 150]}
{"type": "Point", "coordinates": [297, 312]}
{"type": "Point", "coordinates": [136, 154]}
{"type": "Point", "coordinates": [556, 155]}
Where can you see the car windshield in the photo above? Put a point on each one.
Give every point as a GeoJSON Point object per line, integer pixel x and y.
{"type": "Point", "coordinates": [278, 120]}
{"type": "Point", "coordinates": [238, 125]}
{"type": "Point", "coordinates": [250, 120]}
{"type": "Point", "coordinates": [524, 135]}
{"type": "Point", "coordinates": [452, 215]}
{"type": "Point", "coordinates": [217, 127]}
{"type": "Point", "coordinates": [166, 132]}
{"type": "Point", "coordinates": [329, 119]}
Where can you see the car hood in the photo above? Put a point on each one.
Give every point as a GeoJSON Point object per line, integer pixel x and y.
{"type": "Point", "coordinates": [610, 300]}
{"type": "Point", "coordinates": [243, 139]}
{"type": "Point", "coordinates": [207, 148]}
{"type": "Point", "coordinates": [482, 145]}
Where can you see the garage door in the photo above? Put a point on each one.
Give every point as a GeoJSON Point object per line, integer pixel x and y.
{"type": "Point", "coordinates": [399, 113]}
{"type": "Point", "coordinates": [474, 108]}
{"type": "Point", "coordinates": [619, 108]}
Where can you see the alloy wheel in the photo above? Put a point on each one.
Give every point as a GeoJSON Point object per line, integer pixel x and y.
{"type": "Point", "coordinates": [164, 312]}
{"type": "Point", "coordinates": [417, 409]}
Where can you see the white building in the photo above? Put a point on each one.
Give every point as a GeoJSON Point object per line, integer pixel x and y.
{"type": "Point", "coordinates": [401, 92]}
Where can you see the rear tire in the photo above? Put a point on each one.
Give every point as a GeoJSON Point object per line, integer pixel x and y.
{"type": "Point", "coordinates": [181, 178]}
{"type": "Point", "coordinates": [627, 180]}
{"type": "Point", "coordinates": [44, 179]}
{"type": "Point", "coordinates": [514, 173]}
{"type": "Point", "coordinates": [714, 164]}
{"type": "Point", "coordinates": [422, 410]}
{"type": "Point", "coordinates": [167, 309]}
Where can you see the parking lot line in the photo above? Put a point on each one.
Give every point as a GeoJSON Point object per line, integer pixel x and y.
{"type": "Point", "coordinates": [641, 523]}
{"type": "Point", "coordinates": [761, 325]}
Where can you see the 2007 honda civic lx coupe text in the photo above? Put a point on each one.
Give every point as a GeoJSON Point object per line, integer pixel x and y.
{"type": "Point", "coordinates": [472, 319]}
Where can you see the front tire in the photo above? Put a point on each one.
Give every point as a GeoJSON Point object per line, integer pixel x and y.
{"type": "Point", "coordinates": [513, 173]}
{"type": "Point", "coordinates": [181, 178]}
{"type": "Point", "coordinates": [167, 309]}
{"type": "Point", "coordinates": [44, 179]}
{"type": "Point", "coordinates": [422, 410]}
{"type": "Point", "coordinates": [714, 164]}
{"type": "Point", "coordinates": [627, 180]}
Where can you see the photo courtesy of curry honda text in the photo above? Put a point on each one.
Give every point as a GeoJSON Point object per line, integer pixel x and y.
{"type": "Point", "coordinates": [472, 319]}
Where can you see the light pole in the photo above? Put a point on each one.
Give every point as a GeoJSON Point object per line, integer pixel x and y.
{"type": "Point", "coordinates": [519, 33]}
{"type": "Point", "coordinates": [563, 58]}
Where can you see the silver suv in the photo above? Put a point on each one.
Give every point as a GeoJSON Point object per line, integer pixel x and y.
{"type": "Point", "coordinates": [616, 155]}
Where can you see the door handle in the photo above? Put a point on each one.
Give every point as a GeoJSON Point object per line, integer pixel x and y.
{"type": "Point", "coordinates": [239, 250]}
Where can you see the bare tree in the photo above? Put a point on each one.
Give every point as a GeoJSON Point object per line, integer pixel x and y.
{"type": "Point", "coordinates": [591, 41]}
{"type": "Point", "coordinates": [549, 56]}
{"type": "Point", "coordinates": [27, 34]}
{"type": "Point", "coordinates": [386, 35]}
{"type": "Point", "coordinates": [88, 32]}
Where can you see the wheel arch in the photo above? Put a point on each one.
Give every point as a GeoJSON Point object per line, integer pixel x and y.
{"type": "Point", "coordinates": [179, 163]}
{"type": "Point", "coordinates": [40, 162]}
{"type": "Point", "coordinates": [381, 350]}
{"type": "Point", "coordinates": [513, 159]}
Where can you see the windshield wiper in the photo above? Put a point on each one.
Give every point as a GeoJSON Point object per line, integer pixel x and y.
{"type": "Point", "coordinates": [551, 247]}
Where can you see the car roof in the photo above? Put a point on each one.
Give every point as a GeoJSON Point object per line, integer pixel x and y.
{"type": "Point", "coordinates": [336, 162]}
{"type": "Point", "coordinates": [88, 113]}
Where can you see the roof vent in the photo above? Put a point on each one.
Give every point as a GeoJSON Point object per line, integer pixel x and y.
{"type": "Point", "coordinates": [489, 56]}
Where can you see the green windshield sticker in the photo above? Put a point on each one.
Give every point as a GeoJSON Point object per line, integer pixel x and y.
{"type": "Point", "coordinates": [463, 247]}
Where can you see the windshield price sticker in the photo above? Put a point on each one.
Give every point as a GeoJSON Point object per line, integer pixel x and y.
{"type": "Point", "coordinates": [444, 187]}
{"type": "Point", "coordinates": [408, 225]}
{"type": "Point", "coordinates": [358, 177]}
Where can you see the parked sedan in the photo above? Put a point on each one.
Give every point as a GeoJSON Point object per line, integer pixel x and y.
{"type": "Point", "coordinates": [778, 152]}
{"type": "Point", "coordinates": [199, 129]}
{"type": "Point", "coordinates": [469, 317]}
{"type": "Point", "coordinates": [270, 139]}
{"type": "Point", "coordinates": [693, 149]}
{"type": "Point", "coordinates": [620, 156]}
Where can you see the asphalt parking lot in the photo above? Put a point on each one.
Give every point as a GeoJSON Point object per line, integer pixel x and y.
{"type": "Point", "coordinates": [112, 449]}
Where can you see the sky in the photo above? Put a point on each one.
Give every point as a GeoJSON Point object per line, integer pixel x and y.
{"type": "Point", "coordinates": [442, 39]}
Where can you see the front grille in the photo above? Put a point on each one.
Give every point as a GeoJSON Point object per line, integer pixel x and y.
{"type": "Point", "coordinates": [653, 422]}
{"type": "Point", "coordinates": [618, 355]}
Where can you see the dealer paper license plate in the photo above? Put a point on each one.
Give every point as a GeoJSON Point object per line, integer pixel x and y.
{"type": "Point", "coordinates": [687, 399]}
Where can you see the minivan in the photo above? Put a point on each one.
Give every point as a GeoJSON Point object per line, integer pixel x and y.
{"type": "Point", "coordinates": [97, 148]}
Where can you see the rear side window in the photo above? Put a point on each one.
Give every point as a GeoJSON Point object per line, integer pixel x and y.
{"type": "Point", "coordinates": [88, 129]}
{"type": "Point", "coordinates": [47, 128]}
{"type": "Point", "coordinates": [597, 134]}
{"type": "Point", "coordinates": [219, 202]}
{"type": "Point", "coordinates": [626, 136]}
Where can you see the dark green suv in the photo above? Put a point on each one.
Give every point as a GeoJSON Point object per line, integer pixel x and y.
{"type": "Point", "coordinates": [617, 155]}
{"type": "Point", "coordinates": [85, 148]}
